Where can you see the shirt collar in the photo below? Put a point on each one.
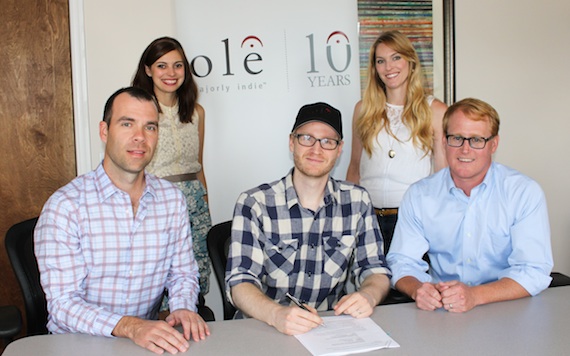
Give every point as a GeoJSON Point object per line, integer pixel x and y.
{"type": "Point", "coordinates": [332, 191]}
{"type": "Point", "coordinates": [106, 188]}
{"type": "Point", "coordinates": [450, 185]}
{"type": "Point", "coordinates": [489, 176]}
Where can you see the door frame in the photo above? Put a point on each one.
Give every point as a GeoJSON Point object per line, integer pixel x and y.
{"type": "Point", "coordinates": [79, 83]}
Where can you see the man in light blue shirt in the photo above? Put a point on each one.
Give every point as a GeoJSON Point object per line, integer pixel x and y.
{"type": "Point", "coordinates": [483, 225]}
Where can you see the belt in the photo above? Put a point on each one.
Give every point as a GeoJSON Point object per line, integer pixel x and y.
{"type": "Point", "coordinates": [386, 212]}
{"type": "Point", "coordinates": [181, 177]}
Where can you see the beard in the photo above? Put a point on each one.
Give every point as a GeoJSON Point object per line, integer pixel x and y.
{"type": "Point", "coordinates": [313, 169]}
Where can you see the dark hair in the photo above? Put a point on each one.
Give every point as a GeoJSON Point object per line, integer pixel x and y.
{"type": "Point", "coordinates": [137, 93]}
{"type": "Point", "coordinates": [188, 91]}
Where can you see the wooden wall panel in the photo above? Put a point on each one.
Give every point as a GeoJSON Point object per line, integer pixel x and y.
{"type": "Point", "coordinates": [36, 115]}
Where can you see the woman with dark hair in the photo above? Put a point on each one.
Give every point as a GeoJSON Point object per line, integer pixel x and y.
{"type": "Point", "coordinates": [397, 130]}
{"type": "Point", "coordinates": [164, 71]}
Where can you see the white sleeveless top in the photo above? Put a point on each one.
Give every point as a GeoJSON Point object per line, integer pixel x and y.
{"type": "Point", "coordinates": [178, 144]}
{"type": "Point", "coordinates": [385, 178]}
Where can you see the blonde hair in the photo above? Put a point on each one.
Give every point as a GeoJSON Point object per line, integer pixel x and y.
{"type": "Point", "coordinates": [417, 115]}
{"type": "Point", "coordinates": [476, 110]}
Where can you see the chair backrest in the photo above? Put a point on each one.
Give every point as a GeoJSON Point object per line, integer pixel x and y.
{"type": "Point", "coordinates": [559, 280]}
{"type": "Point", "coordinates": [219, 238]}
{"type": "Point", "coordinates": [20, 247]}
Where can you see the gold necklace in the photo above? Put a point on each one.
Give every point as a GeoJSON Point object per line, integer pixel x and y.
{"type": "Point", "coordinates": [392, 140]}
{"type": "Point", "coordinates": [392, 114]}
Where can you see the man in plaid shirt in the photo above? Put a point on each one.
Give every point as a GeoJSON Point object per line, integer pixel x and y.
{"type": "Point", "coordinates": [109, 242]}
{"type": "Point", "coordinates": [306, 235]}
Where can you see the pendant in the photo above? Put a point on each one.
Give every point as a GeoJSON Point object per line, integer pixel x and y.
{"type": "Point", "coordinates": [391, 153]}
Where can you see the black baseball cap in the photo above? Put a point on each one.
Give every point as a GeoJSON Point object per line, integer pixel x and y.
{"type": "Point", "coordinates": [321, 112]}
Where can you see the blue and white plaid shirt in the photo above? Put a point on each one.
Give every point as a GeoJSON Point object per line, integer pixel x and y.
{"type": "Point", "coordinates": [282, 247]}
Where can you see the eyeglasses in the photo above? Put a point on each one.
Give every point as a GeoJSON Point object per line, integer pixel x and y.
{"type": "Point", "coordinates": [477, 143]}
{"type": "Point", "coordinates": [309, 141]}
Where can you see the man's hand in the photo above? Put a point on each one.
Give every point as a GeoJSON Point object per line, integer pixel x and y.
{"type": "Point", "coordinates": [427, 297]}
{"type": "Point", "coordinates": [358, 304]}
{"type": "Point", "coordinates": [361, 304]}
{"type": "Point", "coordinates": [294, 320]}
{"type": "Point", "coordinates": [192, 324]}
{"type": "Point", "coordinates": [154, 335]}
{"type": "Point", "coordinates": [457, 297]}
{"type": "Point", "coordinates": [290, 320]}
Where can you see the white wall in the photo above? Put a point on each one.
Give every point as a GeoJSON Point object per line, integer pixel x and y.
{"type": "Point", "coordinates": [116, 34]}
{"type": "Point", "coordinates": [511, 53]}
{"type": "Point", "coordinates": [514, 55]}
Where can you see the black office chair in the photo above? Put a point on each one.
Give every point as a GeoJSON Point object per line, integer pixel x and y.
{"type": "Point", "coordinates": [395, 296]}
{"type": "Point", "coordinates": [203, 310]}
{"type": "Point", "coordinates": [559, 280]}
{"type": "Point", "coordinates": [219, 238]}
{"type": "Point", "coordinates": [10, 323]}
{"type": "Point", "coordinates": [20, 247]}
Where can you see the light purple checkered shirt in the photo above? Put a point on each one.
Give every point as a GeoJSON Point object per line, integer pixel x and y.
{"type": "Point", "coordinates": [98, 263]}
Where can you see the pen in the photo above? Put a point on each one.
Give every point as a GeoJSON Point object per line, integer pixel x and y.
{"type": "Point", "coordinates": [298, 303]}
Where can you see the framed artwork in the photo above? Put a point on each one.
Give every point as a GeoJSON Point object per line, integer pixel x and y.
{"type": "Point", "coordinates": [429, 26]}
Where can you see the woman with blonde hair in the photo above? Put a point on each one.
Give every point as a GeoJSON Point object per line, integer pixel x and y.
{"type": "Point", "coordinates": [397, 129]}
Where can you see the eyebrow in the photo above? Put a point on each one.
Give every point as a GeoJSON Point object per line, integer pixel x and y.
{"type": "Point", "coordinates": [165, 62]}
{"type": "Point", "coordinates": [390, 55]}
{"type": "Point", "coordinates": [125, 118]}
{"type": "Point", "coordinates": [130, 119]}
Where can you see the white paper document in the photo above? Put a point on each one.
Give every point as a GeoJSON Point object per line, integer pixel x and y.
{"type": "Point", "coordinates": [344, 335]}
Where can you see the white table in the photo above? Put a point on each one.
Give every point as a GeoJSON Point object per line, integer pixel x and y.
{"type": "Point", "coordinates": [530, 326]}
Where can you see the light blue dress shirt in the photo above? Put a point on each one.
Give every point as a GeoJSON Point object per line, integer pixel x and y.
{"type": "Point", "coordinates": [501, 230]}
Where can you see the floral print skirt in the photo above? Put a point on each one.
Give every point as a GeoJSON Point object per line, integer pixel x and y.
{"type": "Point", "coordinates": [200, 223]}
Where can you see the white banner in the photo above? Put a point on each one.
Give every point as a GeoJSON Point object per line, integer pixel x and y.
{"type": "Point", "coordinates": [256, 63]}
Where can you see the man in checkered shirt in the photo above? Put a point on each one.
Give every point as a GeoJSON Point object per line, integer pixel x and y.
{"type": "Point", "coordinates": [306, 235]}
{"type": "Point", "coordinates": [109, 242]}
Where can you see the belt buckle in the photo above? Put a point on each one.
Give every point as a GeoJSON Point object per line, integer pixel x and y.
{"type": "Point", "coordinates": [385, 212]}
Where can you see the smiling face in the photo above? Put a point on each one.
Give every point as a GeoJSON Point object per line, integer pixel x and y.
{"type": "Point", "coordinates": [468, 166]}
{"type": "Point", "coordinates": [314, 162]}
{"type": "Point", "coordinates": [167, 75]}
{"type": "Point", "coordinates": [392, 68]}
{"type": "Point", "coordinates": [130, 136]}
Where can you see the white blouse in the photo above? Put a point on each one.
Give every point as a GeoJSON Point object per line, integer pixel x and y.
{"type": "Point", "coordinates": [178, 144]}
{"type": "Point", "coordinates": [385, 178]}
